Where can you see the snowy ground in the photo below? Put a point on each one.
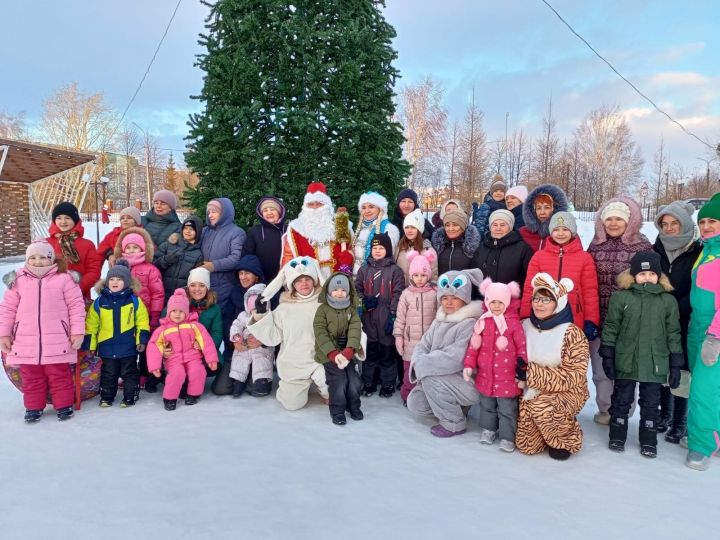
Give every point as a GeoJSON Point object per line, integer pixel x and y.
{"type": "Point", "coordinates": [244, 468]}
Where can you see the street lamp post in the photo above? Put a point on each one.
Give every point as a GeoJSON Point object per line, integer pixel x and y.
{"type": "Point", "coordinates": [102, 182]}
{"type": "Point", "coordinates": [707, 173]}
{"type": "Point", "coordinates": [643, 194]}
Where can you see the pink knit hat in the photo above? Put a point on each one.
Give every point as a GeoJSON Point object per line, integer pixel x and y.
{"type": "Point", "coordinates": [495, 291]}
{"type": "Point", "coordinates": [519, 192]}
{"type": "Point", "coordinates": [179, 300]}
{"type": "Point", "coordinates": [166, 196]}
{"type": "Point", "coordinates": [133, 238]}
{"type": "Point", "coordinates": [421, 264]}
{"type": "Point", "coordinates": [42, 248]}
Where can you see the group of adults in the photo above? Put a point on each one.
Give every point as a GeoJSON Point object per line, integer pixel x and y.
{"type": "Point", "coordinates": [499, 238]}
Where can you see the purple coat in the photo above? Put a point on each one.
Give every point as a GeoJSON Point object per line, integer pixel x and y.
{"type": "Point", "coordinates": [612, 255]}
{"type": "Point", "coordinates": [41, 314]}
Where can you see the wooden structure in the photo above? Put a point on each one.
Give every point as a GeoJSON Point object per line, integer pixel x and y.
{"type": "Point", "coordinates": [33, 179]}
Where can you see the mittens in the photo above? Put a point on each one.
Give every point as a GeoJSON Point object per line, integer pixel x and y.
{"type": "Point", "coordinates": [389, 325]}
{"type": "Point", "coordinates": [607, 352]}
{"type": "Point", "coordinates": [260, 306]}
{"type": "Point", "coordinates": [710, 350]}
{"type": "Point", "coordinates": [370, 302]}
{"type": "Point", "coordinates": [521, 369]}
{"type": "Point", "coordinates": [400, 345]}
{"type": "Point", "coordinates": [591, 330]}
{"type": "Point", "coordinates": [341, 361]}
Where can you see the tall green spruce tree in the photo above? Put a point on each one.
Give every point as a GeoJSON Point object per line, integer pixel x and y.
{"type": "Point", "coordinates": [294, 92]}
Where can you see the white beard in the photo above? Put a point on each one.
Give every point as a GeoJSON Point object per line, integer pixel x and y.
{"type": "Point", "coordinates": [317, 225]}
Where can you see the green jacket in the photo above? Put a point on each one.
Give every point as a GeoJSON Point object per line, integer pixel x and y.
{"type": "Point", "coordinates": [331, 323]}
{"type": "Point", "coordinates": [643, 326]}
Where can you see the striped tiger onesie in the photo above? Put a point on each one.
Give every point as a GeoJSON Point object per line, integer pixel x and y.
{"type": "Point", "coordinates": [556, 389]}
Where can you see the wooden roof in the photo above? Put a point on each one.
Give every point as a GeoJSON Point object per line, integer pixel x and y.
{"type": "Point", "coordinates": [27, 162]}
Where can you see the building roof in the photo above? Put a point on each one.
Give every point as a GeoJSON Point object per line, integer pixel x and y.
{"type": "Point", "coordinates": [27, 162]}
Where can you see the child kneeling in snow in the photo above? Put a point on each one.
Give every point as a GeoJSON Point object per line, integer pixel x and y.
{"type": "Point", "coordinates": [182, 342]}
{"type": "Point", "coordinates": [248, 350]}
{"type": "Point", "coordinates": [437, 361]}
{"type": "Point", "coordinates": [497, 352]}
{"type": "Point", "coordinates": [42, 325]}
{"type": "Point", "coordinates": [338, 331]}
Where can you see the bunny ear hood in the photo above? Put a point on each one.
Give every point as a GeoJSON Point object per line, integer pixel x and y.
{"type": "Point", "coordinates": [295, 268]}
{"type": "Point", "coordinates": [459, 283]}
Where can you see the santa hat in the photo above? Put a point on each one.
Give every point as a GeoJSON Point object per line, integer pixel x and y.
{"type": "Point", "coordinates": [495, 291]}
{"type": "Point", "coordinates": [251, 295]}
{"type": "Point", "coordinates": [421, 264]}
{"type": "Point", "coordinates": [295, 268]}
{"type": "Point", "coordinates": [317, 192]}
{"type": "Point", "coordinates": [374, 198]}
{"type": "Point", "coordinates": [558, 289]}
{"type": "Point", "coordinates": [178, 300]}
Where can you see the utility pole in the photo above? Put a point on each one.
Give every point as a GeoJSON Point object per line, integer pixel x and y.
{"type": "Point", "coordinates": [667, 186]}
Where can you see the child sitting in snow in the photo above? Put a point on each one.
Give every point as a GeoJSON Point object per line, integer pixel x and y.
{"type": "Point", "coordinates": [416, 311]}
{"type": "Point", "coordinates": [641, 344]}
{"type": "Point", "coordinates": [337, 342]}
{"type": "Point", "coordinates": [117, 327]}
{"type": "Point", "coordinates": [42, 324]}
{"type": "Point", "coordinates": [497, 352]}
{"type": "Point", "coordinates": [181, 342]}
{"type": "Point", "coordinates": [249, 352]}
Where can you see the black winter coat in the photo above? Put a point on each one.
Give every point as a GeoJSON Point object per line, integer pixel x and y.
{"type": "Point", "coordinates": [680, 275]}
{"type": "Point", "coordinates": [455, 254]}
{"type": "Point", "coordinates": [505, 259]}
{"type": "Point", "coordinates": [175, 260]}
{"type": "Point", "coordinates": [264, 241]}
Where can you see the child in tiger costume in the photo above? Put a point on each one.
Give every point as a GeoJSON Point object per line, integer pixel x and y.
{"type": "Point", "coordinates": [556, 376]}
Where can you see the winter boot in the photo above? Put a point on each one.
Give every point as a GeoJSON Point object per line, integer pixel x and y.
{"type": "Point", "coordinates": [440, 431]}
{"type": "Point", "coordinates": [170, 404]}
{"type": "Point", "coordinates": [125, 403]}
{"type": "Point", "coordinates": [679, 425]}
{"type": "Point", "coordinates": [559, 454]}
{"type": "Point", "coordinates": [696, 460]}
{"type": "Point", "coordinates": [339, 419]}
{"type": "Point", "coordinates": [369, 390]}
{"type": "Point", "coordinates": [66, 413]}
{"type": "Point", "coordinates": [262, 387]}
{"type": "Point", "coordinates": [487, 436]}
{"type": "Point", "coordinates": [618, 433]}
{"type": "Point", "coordinates": [357, 415]}
{"type": "Point", "coordinates": [238, 389]}
{"type": "Point", "coordinates": [192, 400]}
{"type": "Point", "coordinates": [33, 415]}
{"type": "Point", "coordinates": [387, 391]}
{"type": "Point", "coordinates": [648, 438]}
{"type": "Point", "coordinates": [151, 387]}
{"type": "Point", "coordinates": [105, 403]}
{"type": "Point", "coordinates": [666, 410]}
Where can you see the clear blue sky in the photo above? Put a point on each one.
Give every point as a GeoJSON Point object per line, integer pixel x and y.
{"type": "Point", "coordinates": [514, 53]}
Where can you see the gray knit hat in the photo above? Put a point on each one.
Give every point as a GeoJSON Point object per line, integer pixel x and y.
{"type": "Point", "coordinates": [563, 219]}
{"type": "Point", "coordinates": [121, 269]}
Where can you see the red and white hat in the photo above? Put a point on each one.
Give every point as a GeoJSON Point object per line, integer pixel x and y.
{"type": "Point", "coordinates": [374, 198]}
{"type": "Point", "coordinates": [317, 192]}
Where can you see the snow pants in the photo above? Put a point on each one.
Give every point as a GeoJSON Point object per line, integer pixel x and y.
{"type": "Point", "coordinates": [499, 414]}
{"type": "Point", "coordinates": [114, 368]}
{"type": "Point", "coordinates": [260, 360]}
{"type": "Point", "coordinates": [379, 357]}
{"type": "Point", "coordinates": [704, 409]}
{"type": "Point", "coordinates": [444, 396]}
{"type": "Point", "coordinates": [37, 378]}
{"type": "Point", "coordinates": [603, 385]}
{"type": "Point", "coordinates": [177, 372]}
{"type": "Point", "coordinates": [623, 398]}
{"type": "Point", "coordinates": [549, 420]}
{"type": "Point", "coordinates": [293, 393]}
{"type": "Point", "coordinates": [344, 386]}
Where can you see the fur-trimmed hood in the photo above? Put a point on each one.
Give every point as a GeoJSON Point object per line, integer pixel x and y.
{"type": "Point", "coordinates": [473, 310]}
{"type": "Point", "coordinates": [470, 241]}
{"type": "Point", "coordinates": [149, 246]}
{"type": "Point", "coordinates": [560, 204]}
{"type": "Point", "coordinates": [632, 234]}
{"type": "Point", "coordinates": [60, 268]}
{"type": "Point", "coordinates": [135, 286]}
{"type": "Point", "coordinates": [625, 280]}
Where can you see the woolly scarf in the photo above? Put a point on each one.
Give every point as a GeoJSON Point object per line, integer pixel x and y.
{"type": "Point", "coordinates": [565, 316]}
{"type": "Point", "coordinates": [372, 225]}
{"type": "Point", "coordinates": [501, 342]}
{"type": "Point", "coordinates": [134, 258]}
{"type": "Point", "coordinates": [67, 246]}
{"type": "Point", "coordinates": [39, 271]}
{"type": "Point", "coordinates": [678, 244]}
{"type": "Point", "coordinates": [338, 303]}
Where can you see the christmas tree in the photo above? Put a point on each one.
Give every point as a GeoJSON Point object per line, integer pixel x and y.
{"type": "Point", "coordinates": [295, 92]}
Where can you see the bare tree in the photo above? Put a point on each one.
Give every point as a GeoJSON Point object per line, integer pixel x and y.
{"type": "Point", "coordinates": [659, 166]}
{"type": "Point", "coordinates": [129, 141]}
{"type": "Point", "coordinates": [77, 120]}
{"type": "Point", "coordinates": [12, 126]}
{"type": "Point", "coordinates": [547, 150]}
{"type": "Point", "coordinates": [456, 132]}
{"type": "Point", "coordinates": [519, 158]}
{"type": "Point", "coordinates": [472, 156]}
{"type": "Point", "coordinates": [424, 118]}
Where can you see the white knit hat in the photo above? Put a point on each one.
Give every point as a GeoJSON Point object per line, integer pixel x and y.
{"type": "Point", "coordinates": [199, 275]}
{"type": "Point", "coordinates": [374, 198]}
{"type": "Point", "coordinates": [616, 209]}
{"type": "Point", "coordinates": [415, 219]}
{"type": "Point", "coordinates": [519, 192]}
{"type": "Point", "coordinates": [503, 215]}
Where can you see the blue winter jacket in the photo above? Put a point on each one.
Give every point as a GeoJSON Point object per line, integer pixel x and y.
{"type": "Point", "coordinates": [481, 214]}
{"type": "Point", "coordinates": [222, 245]}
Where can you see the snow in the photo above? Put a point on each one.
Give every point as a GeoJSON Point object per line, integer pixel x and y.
{"type": "Point", "coordinates": [230, 468]}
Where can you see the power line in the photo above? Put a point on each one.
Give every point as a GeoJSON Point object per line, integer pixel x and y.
{"type": "Point", "coordinates": [658, 109]}
{"type": "Point", "coordinates": [152, 60]}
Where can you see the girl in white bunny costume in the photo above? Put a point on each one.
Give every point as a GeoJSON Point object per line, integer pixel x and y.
{"type": "Point", "coordinates": [291, 327]}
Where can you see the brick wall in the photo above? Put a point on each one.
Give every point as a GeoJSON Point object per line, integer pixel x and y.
{"type": "Point", "coordinates": [14, 218]}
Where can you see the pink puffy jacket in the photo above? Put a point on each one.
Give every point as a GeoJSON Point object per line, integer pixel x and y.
{"type": "Point", "coordinates": [181, 338]}
{"type": "Point", "coordinates": [415, 313]}
{"type": "Point", "coordinates": [41, 314]}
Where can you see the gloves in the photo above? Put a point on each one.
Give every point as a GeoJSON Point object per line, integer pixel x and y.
{"type": "Point", "coordinates": [467, 374]}
{"type": "Point", "coordinates": [370, 302]}
{"type": "Point", "coordinates": [607, 352]}
{"type": "Point", "coordinates": [710, 350]}
{"type": "Point", "coordinates": [677, 361]}
{"type": "Point", "coordinates": [400, 345]}
{"type": "Point", "coordinates": [260, 306]}
{"type": "Point", "coordinates": [521, 369]}
{"type": "Point", "coordinates": [5, 344]}
{"type": "Point", "coordinates": [77, 341]}
{"type": "Point", "coordinates": [341, 361]}
{"type": "Point", "coordinates": [154, 321]}
{"type": "Point", "coordinates": [389, 325]}
{"type": "Point", "coordinates": [591, 330]}
{"type": "Point", "coordinates": [348, 352]}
